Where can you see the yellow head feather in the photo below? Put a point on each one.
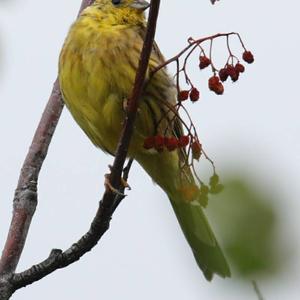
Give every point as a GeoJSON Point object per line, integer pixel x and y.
{"type": "Point", "coordinates": [120, 14]}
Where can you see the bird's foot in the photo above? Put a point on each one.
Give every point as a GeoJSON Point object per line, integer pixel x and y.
{"type": "Point", "coordinates": [125, 184]}
{"type": "Point", "coordinates": [108, 185]}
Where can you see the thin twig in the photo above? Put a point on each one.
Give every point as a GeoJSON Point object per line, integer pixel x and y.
{"type": "Point", "coordinates": [190, 45]}
{"type": "Point", "coordinates": [257, 291]}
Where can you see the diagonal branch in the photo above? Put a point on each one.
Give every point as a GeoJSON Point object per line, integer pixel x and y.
{"type": "Point", "coordinates": [25, 199]}
{"type": "Point", "coordinates": [57, 258]}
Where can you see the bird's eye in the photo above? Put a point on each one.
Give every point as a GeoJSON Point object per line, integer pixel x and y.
{"type": "Point", "coordinates": [116, 2]}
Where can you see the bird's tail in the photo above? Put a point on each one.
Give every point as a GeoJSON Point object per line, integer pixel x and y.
{"type": "Point", "coordinates": [164, 170]}
{"type": "Point", "coordinates": [201, 238]}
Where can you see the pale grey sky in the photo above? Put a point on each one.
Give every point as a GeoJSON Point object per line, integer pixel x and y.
{"type": "Point", "coordinates": [255, 127]}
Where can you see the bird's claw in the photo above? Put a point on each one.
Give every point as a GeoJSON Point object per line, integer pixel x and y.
{"type": "Point", "coordinates": [125, 184]}
{"type": "Point", "coordinates": [109, 187]}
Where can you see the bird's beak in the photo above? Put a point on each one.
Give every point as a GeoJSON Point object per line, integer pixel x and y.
{"type": "Point", "coordinates": [140, 4]}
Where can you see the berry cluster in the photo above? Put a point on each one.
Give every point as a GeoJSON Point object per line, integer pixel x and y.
{"type": "Point", "coordinates": [214, 187]}
{"type": "Point", "coordinates": [159, 143]}
{"type": "Point", "coordinates": [193, 94]}
{"type": "Point", "coordinates": [215, 82]}
{"type": "Point", "coordinates": [230, 70]}
{"type": "Point", "coordinates": [190, 142]}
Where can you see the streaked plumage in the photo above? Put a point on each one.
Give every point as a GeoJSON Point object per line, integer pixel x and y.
{"type": "Point", "coordinates": [96, 71]}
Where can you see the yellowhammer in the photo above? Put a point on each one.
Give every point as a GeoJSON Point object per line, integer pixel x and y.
{"type": "Point", "coordinates": [97, 69]}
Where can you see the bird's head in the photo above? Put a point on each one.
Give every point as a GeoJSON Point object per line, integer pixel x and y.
{"type": "Point", "coordinates": [138, 5]}
{"type": "Point", "coordinates": [124, 11]}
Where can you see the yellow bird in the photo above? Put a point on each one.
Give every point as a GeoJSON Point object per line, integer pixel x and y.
{"type": "Point", "coordinates": [97, 69]}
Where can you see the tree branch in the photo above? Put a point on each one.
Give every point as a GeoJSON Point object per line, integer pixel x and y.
{"type": "Point", "coordinates": [58, 259]}
{"type": "Point", "coordinates": [192, 44]}
{"type": "Point", "coordinates": [25, 200]}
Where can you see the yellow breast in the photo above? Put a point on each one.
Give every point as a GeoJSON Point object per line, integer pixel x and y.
{"type": "Point", "coordinates": [96, 74]}
{"type": "Point", "coordinates": [97, 70]}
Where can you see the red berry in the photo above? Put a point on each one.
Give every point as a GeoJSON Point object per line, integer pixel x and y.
{"type": "Point", "coordinates": [239, 68]}
{"type": "Point", "coordinates": [212, 82]}
{"type": "Point", "coordinates": [194, 95]}
{"type": "Point", "coordinates": [235, 76]}
{"type": "Point", "coordinates": [219, 89]}
{"type": "Point", "coordinates": [183, 95]}
{"type": "Point", "coordinates": [171, 143]}
{"type": "Point", "coordinates": [231, 71]}
{"type": "Point", "coordinates": [184, 140]}
{"type": "Point", "coordinates": [196, 150]}
{"type": "Point", "coordinates": [223, 74]}
{"type": "Point", "coordinates": [248, 57]}
{"type": "Point", "coordinates": [215, 85]}
{"type": "Point", "coordinates": [149, 142]}
{"type": "Point", "coordinates": [159, 142]}
{"type": "Point", "coordinates": [204, 62]}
